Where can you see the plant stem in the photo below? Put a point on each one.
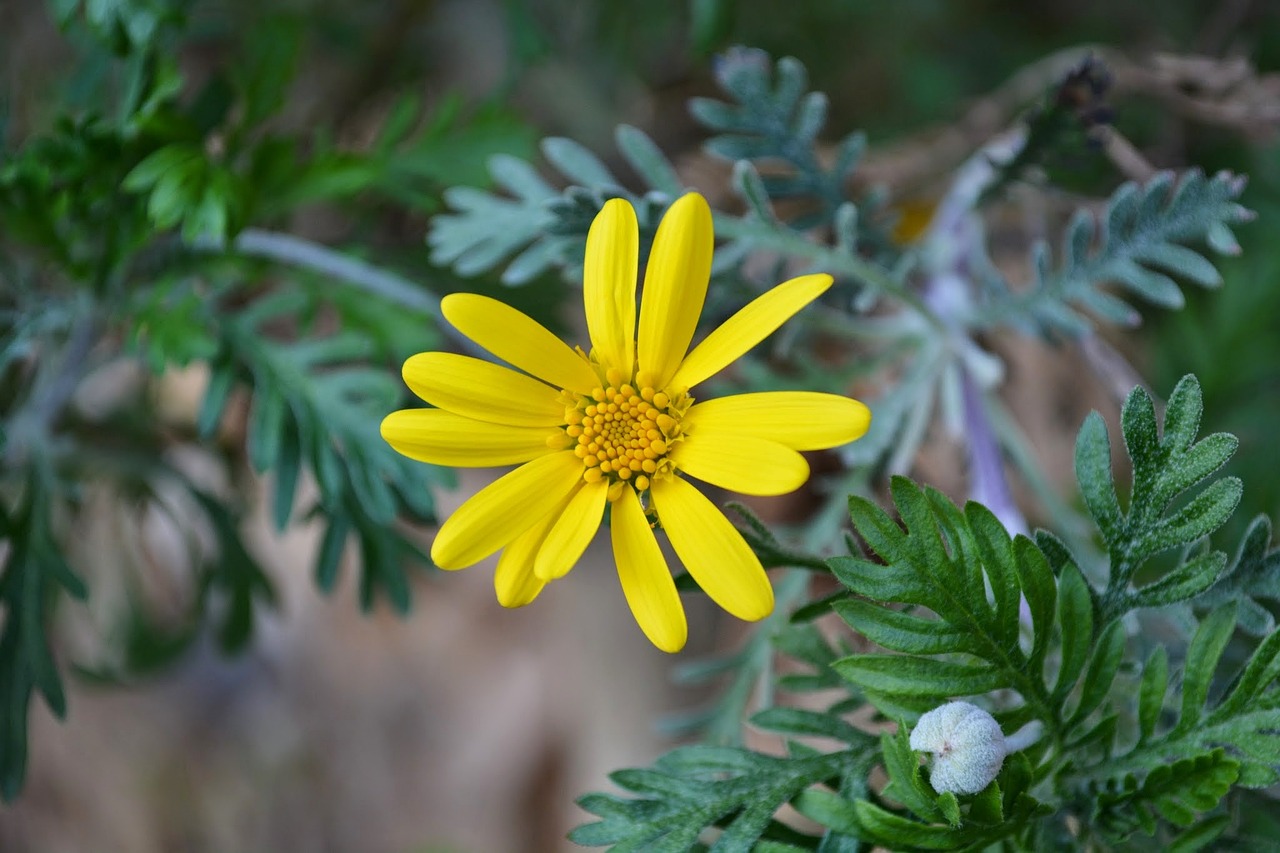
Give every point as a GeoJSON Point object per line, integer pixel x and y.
{"type": "Point", "coordinates": [297, 252]}
{"type": "Point", "coordinates": [305, 254]}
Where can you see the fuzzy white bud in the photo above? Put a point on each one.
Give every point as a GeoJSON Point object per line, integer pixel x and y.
{"type": "Point", "coordinates": [967, 745]}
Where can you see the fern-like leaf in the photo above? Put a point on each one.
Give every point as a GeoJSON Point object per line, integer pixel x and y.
{"type": "Point", "coordinates": [693, 789]}
{"type": "Point", "coordinates": [775, 120]}
{"type": "Point", "coordinates": [1165, 465]}
{"type": "Point", "coordinates": [536, 228]}
{"type": "Point", "coordinates": [1254, 574]}
{"type": "Point", "coordinates": [1176, 792]}
{"type": "Point", "coordinates": [1143, 242]}
{"type": "Point", "coordinates": [1241, 728]}
{"type": "Point", "coordinates": [944, 561]}
{"type": "Point", "coordinates": [314, 407]}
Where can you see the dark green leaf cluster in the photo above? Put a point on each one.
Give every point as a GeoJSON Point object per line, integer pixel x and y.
{"type": "Point", "coordinates": [941, 821]}
{"type": "Point", "coordinates": [734, 790]}
{"type": "Point", "coordinates": [1143, 243]}
{"type": "Point", "coordinates": [316, 406]}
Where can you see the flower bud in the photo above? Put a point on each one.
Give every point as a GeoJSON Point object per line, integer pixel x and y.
{"type": "Point", "coordinates": [967, 745]}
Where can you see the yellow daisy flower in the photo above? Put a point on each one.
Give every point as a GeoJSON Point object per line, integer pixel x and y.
{"type": "Point", "coordinates": [619, 427]}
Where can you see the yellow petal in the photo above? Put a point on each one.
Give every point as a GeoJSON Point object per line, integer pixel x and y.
{"type": "Point", "coordinates": [443, 438]}
{"type": "Point", "coordinates": [802, 420]}
{"type": "Point", "coordinates": [502, 510]}
{"type": "Point", "coordinates": [609, 284]}
{"type": "Point", "coordinates": [712, 550]}
{"type": "Point", "coordinates": [646, 581]}
{"type": "Point", "coordinates": [751, 325]}
{"type": "Point", "coordinates": [741, 463]}
{"type": "Point", "coordinates": [572, 531]}
{"type": "Point", "coordinates": [675, 286]}
{"type": "Point", "coordinates": [519, 340]}
{"type": "Point", "coordinates": [514, 580]}
{"type": "Point", "coordinates": [477, 389]}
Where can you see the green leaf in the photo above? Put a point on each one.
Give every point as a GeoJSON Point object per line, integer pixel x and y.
{"type": "Point", "coordinates": [800, 722]}
{"type": "Point", "coordinates": [266, 423]}
{"type": "Point", "coordinates": [1155, 680]}
{"type": "Point", "coordinates": [1075, 618]}
{"type": "Point", "coordinates": [906, 781]}
{"type": "Point", "coordinates": [1206, 649]}
{"type": "Point", "coordinates": [643, 155]}
{"type": "Point", "coordinates": [34, 572]}
{"type": "Point", "coordinates": [1093, 473]}
{"type": "Point", "coordinates": [693, 788]}
{"type": "Point", "coordinates": [1041, 592]}
{"type": "Point", "coordinates": [1103, 666]}
{"type": "Point", "coordinates": [1176, 792]}
{"type": "Point", "coordinates": [904, 675]}
{"type": "Point", "coordinates": [774, 120]}
{"type": "Point", "coordinates": [1253, 574]}
{"type": "Point", "coordinates": [995, 549]}
{"type": "Point", "coordinates": [1164, 467]}
{"type": "Point", "coordinates": [901, 632]}
{"type": "Point", "coordinates": [1146, 240]}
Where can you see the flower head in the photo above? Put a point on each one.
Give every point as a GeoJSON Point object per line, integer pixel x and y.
{"type": "Point", "coordinates": [619, 426]}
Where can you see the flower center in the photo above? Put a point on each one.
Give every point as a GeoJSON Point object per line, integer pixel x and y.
{"type": "Point", "coordinates": [622, 432]}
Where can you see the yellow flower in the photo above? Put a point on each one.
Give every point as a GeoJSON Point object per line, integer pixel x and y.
{"type": "Point", "coordinates": [619, 427]}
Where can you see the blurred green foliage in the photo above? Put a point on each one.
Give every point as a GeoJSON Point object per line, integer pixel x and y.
{"type": "Point", "coordinates": [136, 217]}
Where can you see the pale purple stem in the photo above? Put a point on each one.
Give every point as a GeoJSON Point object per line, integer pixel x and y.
{"type": "Point", "coordinates": [987, 483]}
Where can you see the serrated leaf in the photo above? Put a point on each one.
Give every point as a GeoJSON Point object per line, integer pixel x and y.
{"type": "Point", "coordinates": [1164, 466]}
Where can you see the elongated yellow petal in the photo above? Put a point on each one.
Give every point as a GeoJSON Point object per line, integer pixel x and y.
{"type": "Point", "coordinates": [712, 550]}
{"type": "Point", "coordinates": [519, 340]}
{"type": "Point", "coordinates": [572, 532]}
{"type": "Point", "coordinates": [802, 420]}
{"type": "Point", "coordinates": [477, 389]}
{"type": "Point", "coordinates": [443, 438]}
{"type": "Point", "coordinates": [741, 463]}
{"type": "Point", "coordinates": [646, 580]}
{"type": "Point", "coordinates": [751, 325]}
{"type": "Point", "coordinates": [675, 286]}
{"type": "Point", "coordinates": [507, 507]}
{"type": "Point", "coordinates": [514, 581]}
{"type": "Point", "coordinates": [609, 284]}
